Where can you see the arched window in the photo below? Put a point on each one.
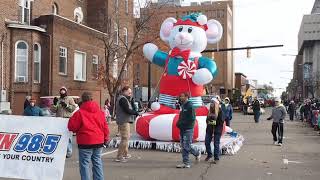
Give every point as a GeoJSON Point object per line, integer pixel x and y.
{"type": "Point", "coordinates": [125, 36]}
{"type": "Point", "coordinates": [116, 6]}
{"type": "Point", "coordinates": [37, 63]}
{"type": "Point", "coordinates": [25, 11]}
{"type": "Point", "coordinates": [116, 34]}
{"type": "Point", "coordinates": [125, 70]}
{"type": "Point", "coordinates": [21, 61]}
{"type": "Point", "coordinates": [115, 66]}
{"type": "Point", "coordinates": [126, 6]}
{"type": "Point", "coordinates": [55, 9]}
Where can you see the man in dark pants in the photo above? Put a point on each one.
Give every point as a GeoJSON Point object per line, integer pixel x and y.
{"type": "Point", "coordinates": [256, 109]}
{"type": "Point", "coordinates": [291, 109]}
{"type": "Point", "coordinates": [186, 123]}
{"type": "Point", "coordinates": [278, 114]}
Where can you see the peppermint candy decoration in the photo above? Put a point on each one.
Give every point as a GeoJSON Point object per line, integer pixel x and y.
{"type": "Point", "coordinates": [187, 69]}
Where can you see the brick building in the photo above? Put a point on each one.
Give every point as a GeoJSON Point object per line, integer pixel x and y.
{"type": "Point", "coordinates": [46, 44]}
{"type": "Point", "coordinates": [222, 11]}
{"type": "Point", "coordinates": [240, 83]}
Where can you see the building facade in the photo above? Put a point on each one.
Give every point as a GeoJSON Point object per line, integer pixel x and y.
{"type": "Point", "coordinates": [240, 83]}
{"type": "Point", "coordinates": [222, 11]}
{"type": "Point", "coordinates": [46, 44]}
{"type": "Point", "coordinates": [307, 67]}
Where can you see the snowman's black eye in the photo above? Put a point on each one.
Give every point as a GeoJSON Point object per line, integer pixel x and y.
{"type": "Point", "coordinates": [180, 28]}
{"type": "Point", "coordinates": [189, 29]}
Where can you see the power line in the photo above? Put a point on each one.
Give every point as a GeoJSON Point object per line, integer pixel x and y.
{"type": "Point", "coordinates": [242, 48]}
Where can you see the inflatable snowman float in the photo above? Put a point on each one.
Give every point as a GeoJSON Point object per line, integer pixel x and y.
{"type": "Point", "coordinates": [185, 70]}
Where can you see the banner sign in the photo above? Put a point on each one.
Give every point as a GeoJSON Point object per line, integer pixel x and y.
{"type": "Point", "coordinates": [307, 71]}
{"type": "Point", "coordinates": [33, 147]}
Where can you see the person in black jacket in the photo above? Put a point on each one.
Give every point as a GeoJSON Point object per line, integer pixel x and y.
{"type": "Point", "coordinates": [291, 110]}
{"type": "Point", "coordinates": [214, 130]}
{"type": "Point", "coordinates": [27, 102]}
{"type": "Point", "coordinates": [125, 113]}
{"type": "Point", "coordinates": [256, 109]}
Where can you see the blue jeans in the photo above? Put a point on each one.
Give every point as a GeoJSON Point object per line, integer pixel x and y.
{"type": "Point", "coordinates": [93, 155]}
{"type": "Point", "coordinates": [186, 137]}
{"type": "Point", "coordinates": [216, 142]}
{"type": "Point", "coordinates": [69, 147]}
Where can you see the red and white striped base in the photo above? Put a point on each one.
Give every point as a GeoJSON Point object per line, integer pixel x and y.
{"type": "Point", "coordinates": [163, 127]}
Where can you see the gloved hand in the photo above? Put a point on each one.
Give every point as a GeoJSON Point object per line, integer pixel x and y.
{"type": "Point", "coordinates": [63, 104]}
{"type": "Point", "coordinates": [55, 101]}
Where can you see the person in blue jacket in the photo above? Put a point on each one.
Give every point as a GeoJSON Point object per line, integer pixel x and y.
{"type": "Point", "coordinates": [32, 109]}
{"type": "Point", "coordinates": [227, 111]}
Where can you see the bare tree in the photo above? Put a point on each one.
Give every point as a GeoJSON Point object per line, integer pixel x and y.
{"type": "Point", "coordinates": [120, 49]}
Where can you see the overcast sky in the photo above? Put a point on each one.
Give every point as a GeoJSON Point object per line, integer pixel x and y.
{"type": "Point", "coordinates": [268, 22]}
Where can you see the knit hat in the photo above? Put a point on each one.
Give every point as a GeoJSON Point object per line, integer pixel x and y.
{"type": "Point", "coordinates": [64, 88]}
{"type": "Point", "coordinates": [194, 19]}
{"type": "Point", "coordinates": [215, 100]}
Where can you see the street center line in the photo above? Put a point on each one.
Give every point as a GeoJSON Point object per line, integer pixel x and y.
{"type": "Point", "coordinates": [109, 152]}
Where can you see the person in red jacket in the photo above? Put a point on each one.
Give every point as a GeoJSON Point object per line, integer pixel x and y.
{"type": "Point", "coordinates": [92, 132]}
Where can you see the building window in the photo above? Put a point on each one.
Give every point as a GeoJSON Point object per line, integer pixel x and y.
{"type": "Point", "coordinates": [116, 34]}
{"type": "Point", "coordinates": [116, 6]}
{"type": "Point", "coordinates": [37, 63]}
{"type": "Point", "coordinates": [55, 9]}
{"type": "Point", "coordinates": [95, 66]}
{"type": "Point", "coordinates": [25, 11]}
{"type": "Point", "coordinates": [125, 36]}
{"type": "Point", "coordinates": [21, 64]}
{"type": "Point", "coordinates": [63, 59]}
{"type": "Point", "coordinates": [80, 66]}
{"type": "Point", "coordinates": [125, 70]}
{"type": "Point", "coordinates": [115, 66]}
{"type": "Point", "coordinates": [126, 3]}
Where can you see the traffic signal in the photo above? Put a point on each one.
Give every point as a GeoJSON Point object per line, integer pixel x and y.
{"type": "Point", "coordinates": [248, 53]}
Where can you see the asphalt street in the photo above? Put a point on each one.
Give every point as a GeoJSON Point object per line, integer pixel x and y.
{"type": "Point", "coordinates": [258, 159]}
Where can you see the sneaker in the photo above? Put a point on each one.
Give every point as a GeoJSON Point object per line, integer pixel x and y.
{"type": "Point", "coordinates": [183, 166]}
{"type": "Point", "coordinates": [198, 158]}
{"type": "Point", "coordinates": [275, 143]}
{"type": "Point", "coordinates": [122, 160]}
{"type": "Point", "coordinates": [216, 161]}
{"type": "Point", "coordinates": [128, 156]}
{"type": "Point", "coordinates": [207, 158]}
{"type": "Point", "coordinates": [279, 144]}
